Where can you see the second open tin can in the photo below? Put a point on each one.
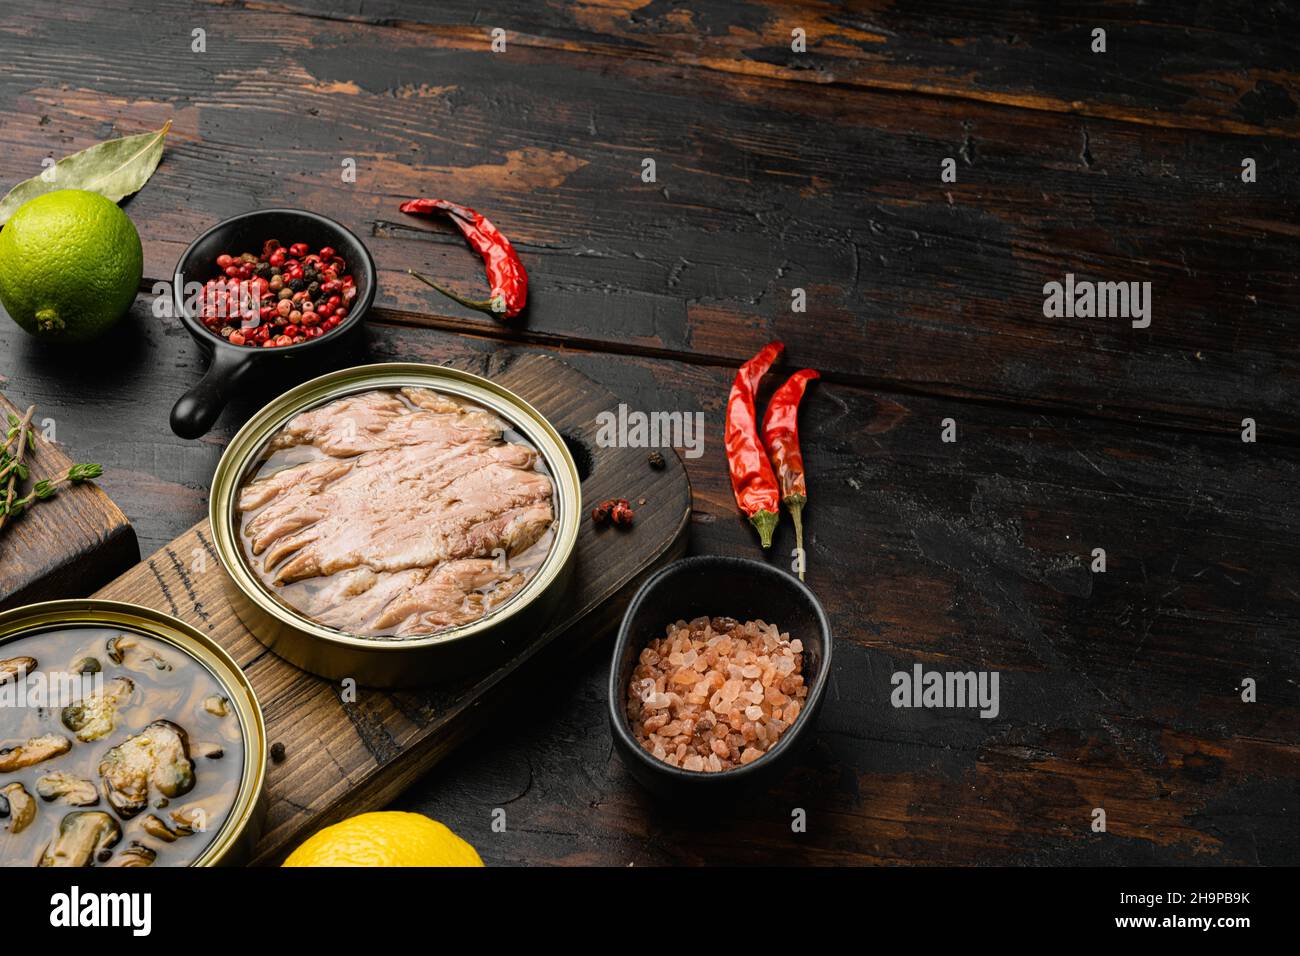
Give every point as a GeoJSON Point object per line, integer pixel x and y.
{"type": "Point", "coordinates": [241, 791]}
{"type": "Point", "coordinates": [391, 661]}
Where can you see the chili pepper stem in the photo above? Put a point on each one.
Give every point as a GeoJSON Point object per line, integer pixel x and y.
{"type": "Point", "coordinates": [765, 521]}
{"type": "Point", "coordinates": [795, 503]}
{"type": "Point", "coordinates": [481, 306]}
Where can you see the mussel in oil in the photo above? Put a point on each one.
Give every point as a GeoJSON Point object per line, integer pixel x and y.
{"type": "Point", "coordinates": [15, 666]}
{"type": "Point", "coordinates": [82, 836]}
{"type": "Point", "coordinates": [157, 828]}
{"type": "Point", "coordinates": [21, 807]}
{"type": "Point", "coordinates": [157, 758]}
{"type": "Point", "coordinates": [137, 854]}
{"type": "Point", "coordinates": [96, 716]}
{"type": "Point", "coordinates": [36, 750]}
{"type": "Point", "coordinates": [129, 652]}
{"type": "Point", "coordinates": [77, 791]}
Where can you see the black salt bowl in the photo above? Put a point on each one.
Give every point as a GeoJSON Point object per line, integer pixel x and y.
{"type": "Point", "coordinates": [718, 587]}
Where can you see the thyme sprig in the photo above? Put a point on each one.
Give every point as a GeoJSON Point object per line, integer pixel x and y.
{"type": "Point", "coordinates": [14, 470]}
{"type": "Point", "coordinates": [21, 430]}
{"type": "Point", "coordinates": [47, 487]}
{"type": "Point", "coordinates": [15, 425]}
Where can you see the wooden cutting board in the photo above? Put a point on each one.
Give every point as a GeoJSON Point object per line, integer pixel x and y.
{"type": "Point", "coordinates": [66, 546]}
{"type": "Point", "coordinates": [343, 758]}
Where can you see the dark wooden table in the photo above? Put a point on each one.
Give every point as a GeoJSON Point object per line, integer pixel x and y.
{"type": "Point", "coordinates": [775, 171]}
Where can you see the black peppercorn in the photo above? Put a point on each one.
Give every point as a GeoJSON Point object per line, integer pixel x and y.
{"type": "Point", "coordinates": [657, 461]}
{"type": "Point", "coordinates": [277, 752]}
{"type": "Point", "coordinates": [297, 285]}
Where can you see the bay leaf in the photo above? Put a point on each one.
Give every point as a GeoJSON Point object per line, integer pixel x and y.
{"type": "Point", "coordinates": [114, 169]}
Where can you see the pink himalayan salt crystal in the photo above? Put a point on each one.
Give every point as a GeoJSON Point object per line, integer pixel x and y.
{"type": "Point", "coordinates": [714, 694]}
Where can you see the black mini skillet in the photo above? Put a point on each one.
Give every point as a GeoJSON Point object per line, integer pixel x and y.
{"type": "Point", "coordinates": [231, 365]}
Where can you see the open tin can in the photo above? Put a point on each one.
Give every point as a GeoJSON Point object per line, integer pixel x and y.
{"type": "Point", "coordinates": [168, 648]}
{"type": "Point", "coordinates": [395, 661]}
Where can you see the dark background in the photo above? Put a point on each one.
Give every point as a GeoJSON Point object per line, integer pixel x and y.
{"type": "Point", "coordinates": [820, 171]}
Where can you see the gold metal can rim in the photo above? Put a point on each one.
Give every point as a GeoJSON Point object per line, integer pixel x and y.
{"type": "Point", "coordinates": [248, 442]}
{"type": "Point", "coordinates": [17, 623]}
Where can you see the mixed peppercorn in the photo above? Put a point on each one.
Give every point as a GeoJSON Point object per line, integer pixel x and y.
{"type": "Point", "coordinates": [615, 511]}
{"type": "Point", "coordinates": [285, 296]}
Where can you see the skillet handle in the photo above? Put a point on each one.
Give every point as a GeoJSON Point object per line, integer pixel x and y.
{"type": "Point", "coordinates": [198, 408]}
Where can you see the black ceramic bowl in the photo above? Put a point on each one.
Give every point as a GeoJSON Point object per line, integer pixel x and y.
{"type": "Point", "coordinates": [725, 587]}
{"type": "Point", "coordinates": [230, 364]}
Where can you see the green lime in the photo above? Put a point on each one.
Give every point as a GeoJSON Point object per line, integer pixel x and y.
{"type": "Point", "coordinates": [70, 265]}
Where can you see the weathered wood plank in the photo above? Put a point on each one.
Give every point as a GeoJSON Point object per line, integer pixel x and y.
{"type": "Point", "coordinates": [913, 285]}
{"type": "Point", "coordinates": [872, 798]}
{"type": "Point", "coordinates": [1229, 68]}
{"type": "Point", "coordinates": [68, 545]}
{"type": "Point", "coordinates": [1118, 689]}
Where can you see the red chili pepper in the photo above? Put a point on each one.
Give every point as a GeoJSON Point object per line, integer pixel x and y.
{"type": "Point", "coordinates": [505, 273]}
{"type": "Point", "coordinates": [781, 436]}
{"type": "Point", "coordinates": [752, 478]}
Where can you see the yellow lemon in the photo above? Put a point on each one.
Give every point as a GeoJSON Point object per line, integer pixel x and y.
{"type": "Point", "coordinates": [386, 838]}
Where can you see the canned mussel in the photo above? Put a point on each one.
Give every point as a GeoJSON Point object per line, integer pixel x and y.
{"type": "Point", "coordinates": [127, 738]}
{"type": "Point", "coordinates": [396, 524]}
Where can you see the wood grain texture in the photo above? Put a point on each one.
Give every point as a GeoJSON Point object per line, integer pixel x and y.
{"type": "Point", "coordinates": [776, 172]}
{"type": "Point", "coordinates": [1118, 688]}
{"type": "Point", "coordinates": [67, 545]}
{"type": "Point", "coordinates": [1167, 64]}
{"type": "Point", "coordinates": [344, 756]}
{"type": "Point", "coordinates": [765, 183]}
